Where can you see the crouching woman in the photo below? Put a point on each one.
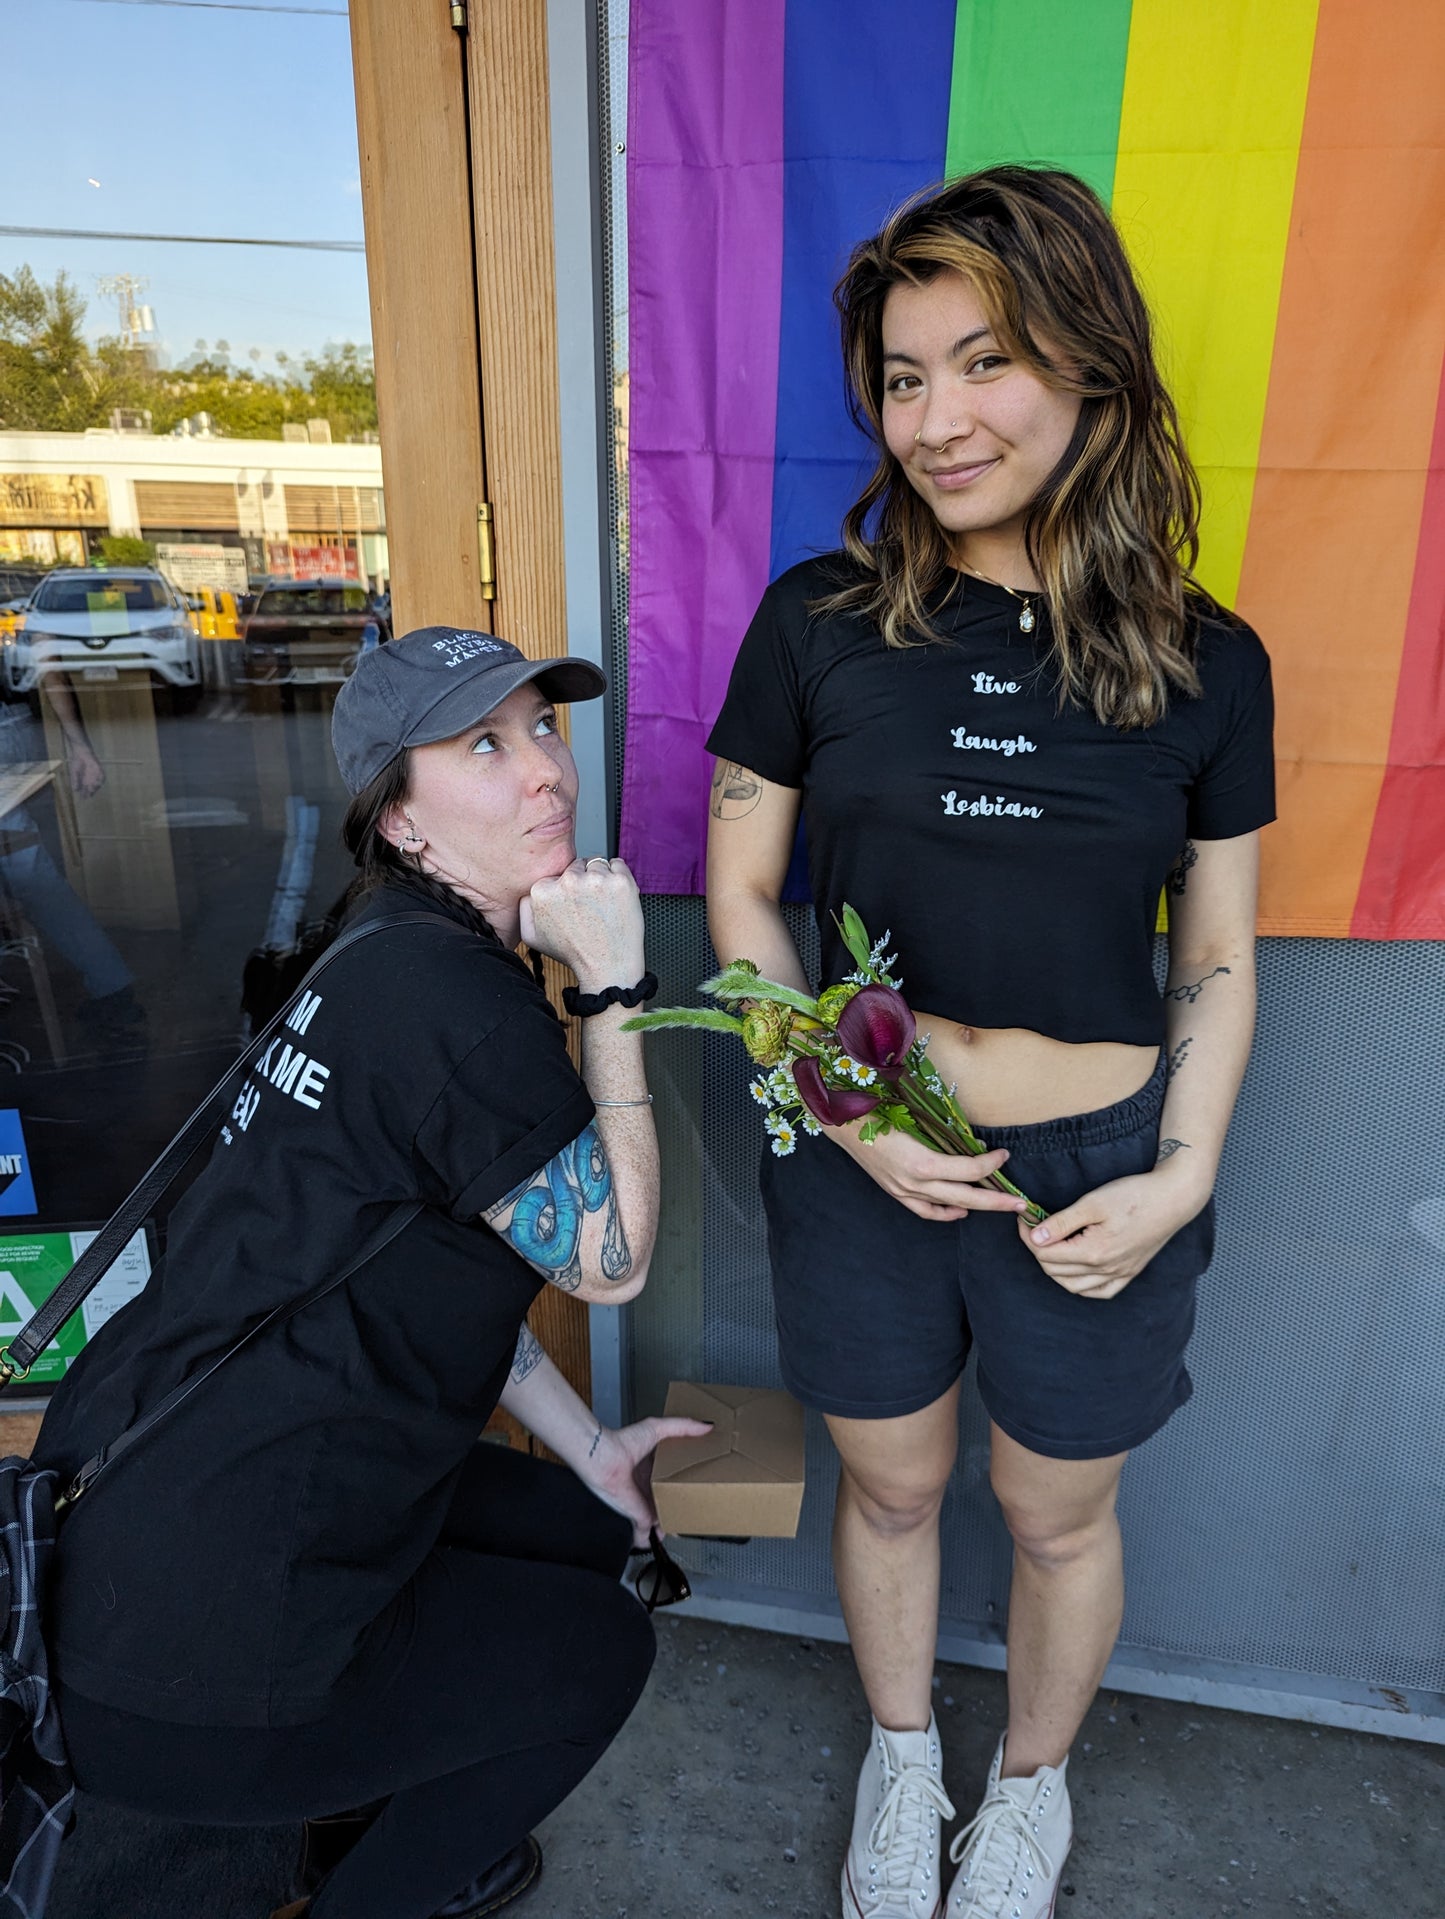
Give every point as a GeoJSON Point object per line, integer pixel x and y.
{"type": "Point", "coordinates": [310, 1593]}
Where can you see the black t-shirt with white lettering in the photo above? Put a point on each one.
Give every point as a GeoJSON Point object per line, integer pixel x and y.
{"type": "Point", "coordinates": [227, 1571]}
{"type": "Point", "coordinates": [1014, 851]}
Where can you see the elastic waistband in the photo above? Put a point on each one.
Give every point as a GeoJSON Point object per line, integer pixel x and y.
{"type": "Point", "coordinates": [1125, 1117]}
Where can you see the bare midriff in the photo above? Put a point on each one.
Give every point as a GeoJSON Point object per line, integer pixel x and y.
{"type": "Point", "coordinates": [1010, 1076]}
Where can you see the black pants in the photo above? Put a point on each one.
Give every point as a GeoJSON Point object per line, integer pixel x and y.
{"type": "Point", "coordinates": [520, 1658]}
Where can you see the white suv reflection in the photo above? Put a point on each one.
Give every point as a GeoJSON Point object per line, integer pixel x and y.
{"type": "Point", "coordinates": [94, 626]}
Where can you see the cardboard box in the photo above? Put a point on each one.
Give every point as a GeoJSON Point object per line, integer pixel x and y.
{"type": "Point", "coordinates": [745, 1480]}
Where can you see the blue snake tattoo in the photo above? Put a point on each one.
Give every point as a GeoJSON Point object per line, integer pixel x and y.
{"type": "Point", "coordinates": [550, 1208]}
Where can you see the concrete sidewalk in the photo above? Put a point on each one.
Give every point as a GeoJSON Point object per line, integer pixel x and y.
{"type": "Point", "coordinates": [729, 1796]}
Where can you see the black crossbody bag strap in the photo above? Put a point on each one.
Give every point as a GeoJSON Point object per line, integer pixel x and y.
{"type": "Point", "coordinates": [19, 1356]}
{"type": "Point", "coordinates": [395, 1221]}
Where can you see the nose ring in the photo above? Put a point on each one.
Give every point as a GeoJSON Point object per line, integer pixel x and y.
{"type": "Point", "coordinates": [918, 436]}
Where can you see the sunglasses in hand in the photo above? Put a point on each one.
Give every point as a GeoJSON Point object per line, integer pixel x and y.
{"type": "Point", "coordinates": [661, 1581]}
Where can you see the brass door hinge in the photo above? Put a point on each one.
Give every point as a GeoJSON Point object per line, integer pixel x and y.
{"type": "Point", "coordinates": [486, 551]}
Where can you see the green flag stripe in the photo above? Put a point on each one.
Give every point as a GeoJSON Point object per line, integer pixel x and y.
{"type": "Point", "coordinates": [1038, 80]}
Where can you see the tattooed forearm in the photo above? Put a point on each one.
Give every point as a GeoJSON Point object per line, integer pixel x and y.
{"type": "Point", "coordinates": [1177, 1057]}
{"type": "Point", "coordinates": [1192, 991]}
{"type": "Point", "coordinates": [549, 1211]}
{"type": "Point", "coordinates": [1169, 1147]}
{"type": "Point", "coordinates": [735, 791]}
{"type": "Point", "coordinates": [596, 1442]}
{"type": "Point", "coordinates": [528, 1356]}
{"type": "Point", "coordinates": [1179, 872]}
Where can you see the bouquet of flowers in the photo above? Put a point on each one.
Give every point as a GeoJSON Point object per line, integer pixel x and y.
{"type": "Point", "coordinates": [852, 1053]}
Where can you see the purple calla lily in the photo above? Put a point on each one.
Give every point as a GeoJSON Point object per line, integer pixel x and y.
{"type": "Point", "coordinates": [877, 1027]}
{"type": "Point", "coordinates": [833, 1105]}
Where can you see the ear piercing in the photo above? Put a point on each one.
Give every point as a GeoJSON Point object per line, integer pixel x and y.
{"type": "Point", "coordinates": [411, 837]}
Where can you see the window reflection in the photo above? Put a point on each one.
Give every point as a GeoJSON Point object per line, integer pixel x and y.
{"type": "Point", "coordinates": [193, 556]}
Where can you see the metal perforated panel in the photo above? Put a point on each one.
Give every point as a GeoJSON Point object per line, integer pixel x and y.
{"type": "Point", "coordinates": [1289, 1518]}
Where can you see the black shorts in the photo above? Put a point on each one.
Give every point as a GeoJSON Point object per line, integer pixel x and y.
{"type": "Point", "coordinates": [877, 1309]}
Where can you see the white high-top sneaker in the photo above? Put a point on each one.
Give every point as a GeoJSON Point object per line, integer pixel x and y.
{"type": "Point", "coordinates": [1011, 1853]}
{"type": "Point", "coordinates": [892, 1868]}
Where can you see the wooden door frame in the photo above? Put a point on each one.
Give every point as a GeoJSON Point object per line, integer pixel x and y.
{"type": "Point", "coordinates": [453, 112]}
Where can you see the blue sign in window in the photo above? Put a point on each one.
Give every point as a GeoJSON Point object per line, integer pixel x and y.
{"type": "Point", "coordinates": [17, 1189]}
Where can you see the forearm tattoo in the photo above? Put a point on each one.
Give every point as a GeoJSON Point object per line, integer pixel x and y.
{"type": "Point", "coordinates": [550, 1210]}
{"type": "Point", "coordinates": [1192, 991]}
{"type": "Point", "coordinates": [1169, 1147]}
{"type": "Point", "coordinates": [1177, 1058]}
{"type": "Point", "coordinates": [1179, 872]}
{"type": "Point", "coordinates": [528, 1356]}
{"type": "Point", "coordinates": [735, 791]}
{"type": "Point", "coordinates": [596, 1442]}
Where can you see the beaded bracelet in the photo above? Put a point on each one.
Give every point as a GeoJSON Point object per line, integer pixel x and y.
{"type": "Point", "coordinates": [583, 1005]}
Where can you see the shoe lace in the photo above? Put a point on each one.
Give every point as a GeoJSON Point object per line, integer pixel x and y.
{"type": "Point", "coordinates": [1002, 1844]}
{"type": "Point", "coordinates": [900, 1826]}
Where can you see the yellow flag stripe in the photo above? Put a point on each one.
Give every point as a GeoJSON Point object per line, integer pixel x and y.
{"type": "Point", "coordinates": [1214, 100]}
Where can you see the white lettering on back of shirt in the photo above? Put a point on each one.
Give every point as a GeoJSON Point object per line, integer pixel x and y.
{"type": "Point", "coordinates": [291, 1071]}
{"type": "Point", "coordinates": [303, 1012]}
{"type": "Point", "coordinates": [313, 1080]}
{"type": "Point", "coordinates": [287, 1069]}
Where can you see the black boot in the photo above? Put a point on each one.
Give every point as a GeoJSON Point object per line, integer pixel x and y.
{"type": "Point", "coordinates": [514, 1873]}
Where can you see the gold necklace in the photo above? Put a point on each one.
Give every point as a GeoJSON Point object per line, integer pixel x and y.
{"type": "Point", "coordinates": [1026, 618]}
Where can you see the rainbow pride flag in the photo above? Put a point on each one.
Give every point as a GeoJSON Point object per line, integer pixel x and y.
{"type": "Point", "coordinates": [1277, 168]}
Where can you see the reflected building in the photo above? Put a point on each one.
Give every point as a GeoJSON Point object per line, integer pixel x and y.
{"type": "Point", "coordinates": [296, 508]}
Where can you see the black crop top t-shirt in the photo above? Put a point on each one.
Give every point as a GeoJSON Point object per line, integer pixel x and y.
{"type": "Point", "coordinates": [1014, 852]}
{"type": "Point", "coordinates": [228, 1570]}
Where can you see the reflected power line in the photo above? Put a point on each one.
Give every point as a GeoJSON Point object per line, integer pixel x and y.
{"type": "Point", "coordinates": [222, 6]}
{"type": "Point", "coordinates": [180, 239]}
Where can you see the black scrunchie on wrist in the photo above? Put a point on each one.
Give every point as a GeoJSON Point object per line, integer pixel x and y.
{"type": "Point", "coordinates": [583, 1005]}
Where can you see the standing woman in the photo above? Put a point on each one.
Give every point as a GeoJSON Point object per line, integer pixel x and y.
{"type": "Point", "coordinates": [309, 1593]}
{"type": "Point", "coordinates": [1009, 716]}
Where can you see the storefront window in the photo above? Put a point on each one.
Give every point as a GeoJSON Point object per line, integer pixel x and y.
{"type": "Point", "coordinates": [193, 556]}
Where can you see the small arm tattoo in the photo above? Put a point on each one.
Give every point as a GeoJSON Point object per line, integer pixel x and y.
{"type": "Point", "coordinates": [1192, 991]}
{"type": "Point", "coordinates": [1179, 872]}
{"type": "Point", "coordinates": [1169, 1147]}
{"type": "Point", "coordinates": [735, 791]}
{"type": "Point", "coordinates": [1177, 1057]}
{"type": "Point", "coordinates": [528, 1356]}
{"type": "Point", "coordinates": [549, 1210]}
{"type": "Point", "coordinates": [596, 1442]}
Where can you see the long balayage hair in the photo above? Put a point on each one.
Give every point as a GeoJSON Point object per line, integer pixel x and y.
{"type": "Point", "coordinates": [1113, 534]}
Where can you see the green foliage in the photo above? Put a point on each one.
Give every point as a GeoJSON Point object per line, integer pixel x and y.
{"type": "Point", "coordinates": [706, 1017]}
{"type": "Point", "coordinates": [124, 549]}
{"type": "Point", "coordinates": [53, 380]}
{"type": "Point", "coordinates": [855, 937]}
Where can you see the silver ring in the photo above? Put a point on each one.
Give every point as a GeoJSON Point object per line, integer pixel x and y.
{"type": "Point", "coordinates": [598, 859]}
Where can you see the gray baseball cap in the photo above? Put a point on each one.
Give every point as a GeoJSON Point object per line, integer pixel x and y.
{"type": "Point", "coordinates": [433, 684]}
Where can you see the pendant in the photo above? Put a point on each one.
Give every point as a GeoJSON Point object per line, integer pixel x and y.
{"type": "Point", "coordinates": [1026, 619]}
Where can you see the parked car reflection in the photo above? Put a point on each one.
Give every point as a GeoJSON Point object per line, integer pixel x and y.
{"type": "Point", "coordinates": [95, 626]}
{"type": "Point", "coordinates": [309, 632]}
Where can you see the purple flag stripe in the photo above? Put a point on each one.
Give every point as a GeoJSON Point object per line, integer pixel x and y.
{"type": "Point", "coordinates": [705, 224]}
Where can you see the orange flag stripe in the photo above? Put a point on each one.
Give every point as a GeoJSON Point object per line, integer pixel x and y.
{"type": "Point", "coordinates": [1330, 556]}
